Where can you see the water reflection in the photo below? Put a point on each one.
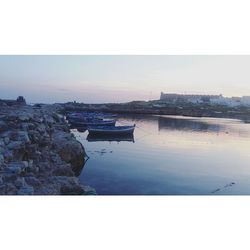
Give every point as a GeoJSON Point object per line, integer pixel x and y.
{"type": "Point", "coordinates": [110, 138]}
{"type": "Point", "coordinates": [171, 123]}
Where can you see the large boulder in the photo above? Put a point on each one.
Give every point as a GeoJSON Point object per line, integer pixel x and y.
{"type": "Point", "coordinates": [38, 154]}
{"type": "Point", "coordinates": [69, 149]}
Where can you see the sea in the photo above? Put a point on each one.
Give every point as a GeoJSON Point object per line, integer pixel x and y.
{"type": "Point", "coordinates": [169, 155]}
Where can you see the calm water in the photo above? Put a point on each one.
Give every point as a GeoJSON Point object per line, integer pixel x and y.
{"type": "Point", "coordinates": [171, 155]}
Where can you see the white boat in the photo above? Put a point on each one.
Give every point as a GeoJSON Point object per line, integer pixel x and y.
{"type": "Point", "coordinates": [111, 130]}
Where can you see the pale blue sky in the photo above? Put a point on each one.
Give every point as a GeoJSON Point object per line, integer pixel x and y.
{"type": "Point", "coordinates": [98, 79]}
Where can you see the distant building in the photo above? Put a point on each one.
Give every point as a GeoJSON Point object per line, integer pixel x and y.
{"type": "Point", "coordinates": [172, 97]}
{"type": "Point", "coordinates": [227, 101]}
{"type": "Point", "coordinates": [212, 99]}
{"type": "Point", "coordinates": [245, 100]}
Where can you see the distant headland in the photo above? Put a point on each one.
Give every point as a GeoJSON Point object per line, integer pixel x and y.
{"type": "Point", "coordinates": [176, 104]}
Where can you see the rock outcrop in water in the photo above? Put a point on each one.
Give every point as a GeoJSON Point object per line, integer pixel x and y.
{"type": "Point", "coordinates": [38, 154]}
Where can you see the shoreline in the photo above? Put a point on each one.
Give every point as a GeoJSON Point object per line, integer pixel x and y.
{"type": "Point", "coordinates": [148, 108]}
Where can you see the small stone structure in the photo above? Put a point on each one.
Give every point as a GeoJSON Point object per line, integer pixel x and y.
{"type": "Point", "coordinates": [19, 101]}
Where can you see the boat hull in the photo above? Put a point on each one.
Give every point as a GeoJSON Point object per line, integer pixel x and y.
{"type": "Point", "coordinates": [91, 123]}
{"type": "Point", "coordinates": [128, 130]}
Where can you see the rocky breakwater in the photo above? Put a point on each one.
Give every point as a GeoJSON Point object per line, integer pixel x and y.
{"type": "Point", "coordinates": [38, 154]}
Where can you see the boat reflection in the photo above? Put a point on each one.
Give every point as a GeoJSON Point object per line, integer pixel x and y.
{"type": "Point", "coordinates": [174, 123]}
{"type": "Point", "coordinates": [110, 138]}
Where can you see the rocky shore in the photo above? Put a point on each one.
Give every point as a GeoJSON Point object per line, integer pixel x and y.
{"type": "Point", "coordinates": [38, 154]}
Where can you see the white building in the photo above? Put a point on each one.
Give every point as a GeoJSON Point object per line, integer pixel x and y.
{"type": "Point", "coordinates": [245, 100]}
{"type": "Point", "coordinates": [212, 99]}
{"type": "Point", "coordinates": [173, 97]}
{"type": "Point", "coordinates": [227, 101]}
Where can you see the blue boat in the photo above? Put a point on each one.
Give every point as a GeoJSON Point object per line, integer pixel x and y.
{"type": "Point", "coordinates": [89, 115]}
{"type": "Point", "coordinates": [85, 119]}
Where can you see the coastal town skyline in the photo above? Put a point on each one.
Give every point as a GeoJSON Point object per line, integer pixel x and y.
{"type": "Point", "coordinates": [97, 79]}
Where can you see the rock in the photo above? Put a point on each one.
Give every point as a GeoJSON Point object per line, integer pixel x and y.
{"type": "Point", "coordinates": [30, 163]}
{"type": "Point", "coordinates": [89, 190]}
{"type": "Point", "coordinates": [33, 181]}
{"type": "Point", "coordinates": [45, 141]}
{"type": "Point", "coordinates": [25, 126]}
{"type": "Point", "coordinates": [1, 158]}
{"type": "Point", "coordinates": [34, 136]}
{"type": "Point", "coordinates": [1, 180]}
{"type": "Point", "coordinates": [6, 140]}
{"type": "Point", "coordinates": [12, 117]}
{"type": "Point", "coordinates": [57, 117]}
{"type": "Point", "coordinates": [70, 186]}
{"type": "Point", "coordinates": [71, 151]}
{"type": "Point", "coordinates": [26, 190]}
{"type": "Point", "coordinates": [16, 167]}
{"type": "Point", "coordinates": [72, 190]}
{"type": "Point", "coordinates": [37, 119]}
{"type": "Point", "coordinates": [38, 153]}
{"type": "Point", "coordinates": [49, 119]}
{"type": "Point", "coordinates": [8, 155]}
{"type": "Point", "coordinates": [20, 182]}
{"type": "Point", "coordinates": [3, 126]}
{"type": "Point", "coordinates": [63, 171]}
{"type": "Point", "coordinates": [2, 144]}
{"type": "Point", "coordinates": [10, 189]}
{"type": "Point", "coordinates": [15, 145]}
{"type": "Point", "coordinates": [10, 177]}
{"type": "Point", "coordinates": [41, 128]}
{"type": "Point", "coordinates": [24, 117]}
{"type": "Point", "coordinates": [21, 136]}
{"type": "Point", "coordinates": [31, 126]}
{"type": "Point", "coordinates": [2, 190]}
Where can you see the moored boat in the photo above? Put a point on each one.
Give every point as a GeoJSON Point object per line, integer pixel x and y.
{"type": "Point", "coordinates": [111, 130]}
{"type": "Point", "coordinates": [95, 123]}
{"type": "Point", "coordinates": [89, 115]}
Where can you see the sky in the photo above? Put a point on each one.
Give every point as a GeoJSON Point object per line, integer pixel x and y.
{"type": "Point", "coordinates": [100, 79]}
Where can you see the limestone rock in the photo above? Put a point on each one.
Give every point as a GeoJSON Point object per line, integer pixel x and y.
{"type": "Point", "coordinates": [6, 140]}
{"type": "Point", "coordinates": [16, 167]}
{"type": "Point", "coordinates": [15, 145]}
{"type": "Point", "coordinates": [26, 190]}
{"type": "Point", "coordinates": [33, 181]}
{"type": "Point", "coordinates": [71, 151]}
{"type": "Point", "coordinates": [37, 152]}
{"type": "Point", "coordinates": [63, 171]}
